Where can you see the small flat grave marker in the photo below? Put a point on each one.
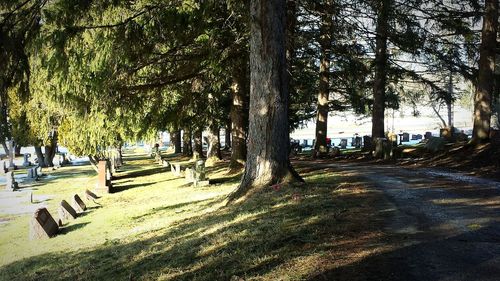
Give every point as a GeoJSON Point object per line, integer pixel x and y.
{"type": "Point", "coordinates": [67, 211]}
{"type": "Point", "coordinates": [78, 204]}
{"type": "Point", "coordinates": [90, 195]}
{"type": "Point", "coordinates": [43, 225]}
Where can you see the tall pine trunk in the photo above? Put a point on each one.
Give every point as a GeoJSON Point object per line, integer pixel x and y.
{"type": "Point", "coordinates": [187, 145]}
{"type": "Point", "coordinates": [39, 156]}
{"type": "Point", "coordinates": [213, 151]}
{"type": "Point", "coordinates": [268, 135]}
{"type": "Point", "coordinates": [50, 150]}
{"type": "Point", "coordinates": [379, 84]}
{"type": "Point", "coordinates": [239, 115]}
{"type": "Point", "coordinates": [484, 88]}
{"type": "Point", "coordinates": [175, 141]}
{"type": "Point", "coordinates": [198, 142]}
{"type": "Point", "coordinates": [325, 42]}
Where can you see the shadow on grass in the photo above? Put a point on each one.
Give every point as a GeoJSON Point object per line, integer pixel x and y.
{"type": "Point", "coordinates": [141, 173]}
{"type": "Point", "coordinates": [259, 236]}
{"type": "Point", "coordinates": [72, 227]}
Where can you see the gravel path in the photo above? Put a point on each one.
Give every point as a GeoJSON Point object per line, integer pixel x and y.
{"type": "Point", "coordinates": [440, 225]}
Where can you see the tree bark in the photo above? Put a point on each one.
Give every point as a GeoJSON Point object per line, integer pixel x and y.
{"type": "Point", "coordinates": [39, 156]}
{"type": "Point", "coordinates": [175, 141]}
{"type": "Point", "coordinates": [379, 84]}
{"type": "Point", "coordinates": [214, 143]}
{"type": "Point", "coordinates": [484, 89]}
{"type": "Point", "coordinates": [239, 116]}
{"type": "Point", "coordinates": [50, 150]}
{"type": "Point", "coordinates": [325, 42]}
{"type": "Point", "coordinates": [268, 136]}
{"type": "Point", "coordinates": [198, 143]}
{"type": "Point", "coordinates": [227, 136]}
{"type": "Point", "coordinates": [187, 146]}
{"type": "Point", "coordinates": [17, 150]}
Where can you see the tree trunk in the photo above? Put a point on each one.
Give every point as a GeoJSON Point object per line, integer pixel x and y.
{"type": "Point", "coordinates": [39, 156]}
{"type": "Point", "coordinates": [17, 150]}
{"type": "Point", "coordinates": [268, 136]}
{"type": "Point", "coordinates": [239, 116]}
{"type": "Point", "coordinates": [187, 146]}
{"type": "Point", "coordinates": [198, 143]}
{"type": "Point", "coordinates": [379, 84]}
{"type": "Point", "coordinates": [93, 163]}
{"type": "Point", "coordinates": [175, 141]}
{"type": "Point", "coordinates": [50, 150]}
{"type": "Point", "coordinates": [484, 89]}
{"type": "Point", "coordinates": [227, 136]}
{"type": "Point", "coordinates": [214, 143]}
{"type": "Point", "coordinates": [325, 42]}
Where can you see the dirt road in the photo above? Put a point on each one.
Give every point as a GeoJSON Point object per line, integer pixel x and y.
{"type": "Point", "coordinates": [440, 226]}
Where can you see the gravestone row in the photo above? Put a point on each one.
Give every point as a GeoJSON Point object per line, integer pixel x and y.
{"type": "Point", "coordinates": [43, 225]}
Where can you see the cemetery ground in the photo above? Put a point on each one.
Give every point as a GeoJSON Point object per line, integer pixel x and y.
{"type": "Point", "coordinates": [350, 221]}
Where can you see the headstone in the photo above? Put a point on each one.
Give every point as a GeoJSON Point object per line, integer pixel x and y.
{"type": "Point", "coordinates": [176, 169]}
{"type": "Point", "coordinates": [383, 148]}
{"type": "Point", "coordinates": [39, 171]}
{"type": "Point", "coordinates": [428, 135]}
{"type": "Point", "coordinates": [31, 175]}
{"type": "Point", "coordinates": [4, 167]}
{"type": "Point", "coordinates": [103, 184]}
{"type": "Point", "coordinates": [10, 147]}
{"type": "Point", "coordinates": [10, 182]}
{"type": "Point", "coordinates": [335, 152]}
{"type": "Point", "coordinates": [189, 175]}
{"type": "Point", "coordinates": [43, 225]}
{"type": "Point", "coordinates": [26, 160]}
{"type": "Point", "coordinates": [165, 163]}
{"type": "Point", "coordinates": [405, 137]}
{"type": "Point", "coordinates": [67, 211]}
{"type": "Point", "coordinates": [435, 144]}
{"type": "Point", "coordinates": [78, 204]}
{"type": "Point", "coordinates": [343, 143]}
{"type": "Point", "coordinates": [416, 137]}
{"type": "Point", "coordinates": [90, 195]}
{"type": "Point", "coordinates": [446, 133]}
{"type": "Point", "coordinates": [367, 142]}
{"type": "Point", "coordinates": [358, 142]}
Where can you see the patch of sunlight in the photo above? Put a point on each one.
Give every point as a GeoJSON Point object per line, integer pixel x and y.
{"type": "Point", "coordinates": [474, 226]}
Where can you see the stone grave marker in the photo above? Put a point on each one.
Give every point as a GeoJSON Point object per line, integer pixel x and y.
{"type": "Point", "coordinates": [90, 195]}
{"type": "Point", "coordinates": [199, 174]}
{"type": "Point", "coordinates": [383, 148]}
{"type": "Point", "coordinates": [10, 182]}
{"type": "Point", "coordinates": [416, 137]}
{"type": "Point", "coordinates": [103, 184]}
{"type": "Point", "coordinates": [26, 160]}
{"type": "Point", "coordinates": [343, 143]}
{"type": "Point", "coordinates": [435, 144]}
{"type": "Point", "coordinates": [176, 169]}
{"type": "Point", "coordinates": [428, 135]}
{"type": "Point", "coordinates": [4, 167]}
{"type": "Point", "coordinates": [10, 147]}
{"type": "Point", "coordinates": [67, 211]}
{"type": "Point", "coordinates": [32, 173]}
{"type": "Point", "coordinates": [78, 204]}
{"type": "Point", "coordinates": [405, 137]}
{"type": "Point", "coordinates": [358, 142]}
{"type": "Point", "coordinates": [367, 142]}
{"type": "Point", "coordinates": [189, 175]}
{"type": "Point", "coordinates": [42, 225]}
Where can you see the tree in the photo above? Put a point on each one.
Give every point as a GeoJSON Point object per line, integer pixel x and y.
{"type": "Point", "coordinates": [325, 42]}
{"type": "Point", "coordinates": [383, 8]}
{"type": "Point", "coordinates": [485, 81]}
{"type": "Point", "coordinates": [268, 138]}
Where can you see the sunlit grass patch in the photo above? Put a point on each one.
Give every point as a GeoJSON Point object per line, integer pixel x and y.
{"type": "Point", "coordinates": [160, 228]}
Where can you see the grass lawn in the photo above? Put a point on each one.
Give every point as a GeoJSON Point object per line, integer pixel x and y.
{"type": "Point", "coordinates": [158, 228]}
